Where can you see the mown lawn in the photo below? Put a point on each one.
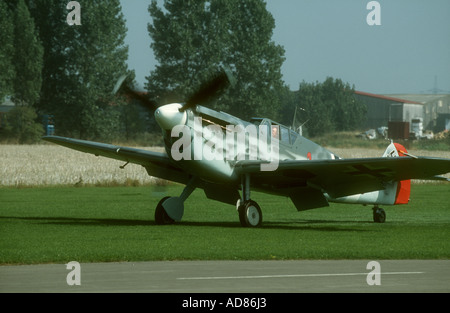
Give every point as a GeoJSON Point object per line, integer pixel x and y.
{"type": "Point", "coordinates": [103, 224]}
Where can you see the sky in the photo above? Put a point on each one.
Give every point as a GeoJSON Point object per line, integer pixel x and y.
{"type": "Point", "coordinates": [408, 53]}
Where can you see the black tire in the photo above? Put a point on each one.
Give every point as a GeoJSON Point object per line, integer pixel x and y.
{"type": "Point", "coordinates": [250, 214]}
{"type": "Point", "coordinates": [161, 217]}
{"type": "Point", "coordinates": [379, 215]}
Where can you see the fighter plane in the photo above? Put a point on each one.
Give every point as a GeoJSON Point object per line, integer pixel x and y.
{"type": "Point", "coordinates": [228, 157]}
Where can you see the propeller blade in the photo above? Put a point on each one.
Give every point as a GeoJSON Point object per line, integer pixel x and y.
{"type": "Point", "coordinates": [210, 89]}
{"type": "Point", "coordinates": [119, 83]}
{"type": "Point", "coordinates": [121, 86]}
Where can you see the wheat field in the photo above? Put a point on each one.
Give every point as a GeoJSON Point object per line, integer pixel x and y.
{"type": "Point", "coordinates": [48, 165]}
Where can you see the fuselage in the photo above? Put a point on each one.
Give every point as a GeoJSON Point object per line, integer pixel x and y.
{"type": "Point", "coordinates": [209, 143]}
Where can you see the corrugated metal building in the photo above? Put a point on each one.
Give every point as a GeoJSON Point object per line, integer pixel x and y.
{"type": "Point", "coordinates": [383, 109]}
{"type": "Point", "coordinates": [436, 115]}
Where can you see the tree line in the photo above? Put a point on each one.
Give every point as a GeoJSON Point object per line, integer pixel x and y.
{"type": "Point", "coordinates": [50, 67]}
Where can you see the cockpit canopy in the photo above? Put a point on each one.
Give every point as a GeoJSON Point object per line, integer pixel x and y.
{"type": "Point", "coordinates": [286, 135]}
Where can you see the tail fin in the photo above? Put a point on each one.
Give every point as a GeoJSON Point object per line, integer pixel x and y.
{"type": "Point", "coordinates": [404, 186]}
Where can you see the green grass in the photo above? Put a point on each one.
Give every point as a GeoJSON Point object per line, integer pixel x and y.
{"type": "Point", "coordinates": [99, 224]}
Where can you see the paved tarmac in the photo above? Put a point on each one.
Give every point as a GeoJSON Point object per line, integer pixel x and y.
{"type": "Point", "coordinates": [232, 277]}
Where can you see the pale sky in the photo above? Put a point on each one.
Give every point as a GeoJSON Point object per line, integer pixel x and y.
{"type": "Point", "coordinates": [332, 38]}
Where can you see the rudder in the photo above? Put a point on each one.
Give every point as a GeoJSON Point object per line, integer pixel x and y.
{"type": "Point", "coordinates": [404, 186]}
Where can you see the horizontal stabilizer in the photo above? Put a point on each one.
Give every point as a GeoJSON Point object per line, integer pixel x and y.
{"type": "Point", "coordinates": [439, 178]}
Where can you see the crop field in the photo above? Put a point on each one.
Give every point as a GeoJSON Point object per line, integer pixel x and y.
{"type": "Point", "coordinates": [52, 165]}
{"type": "Point", "coordinates": [45, 219]}
{"type": "Point", "coordinates": [44, 165]}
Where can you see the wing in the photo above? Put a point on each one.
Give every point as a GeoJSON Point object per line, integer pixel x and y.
{"type": "Point", "coordinates": [311, 178]}
{"type": "Point", "coordinates": [156, 163]}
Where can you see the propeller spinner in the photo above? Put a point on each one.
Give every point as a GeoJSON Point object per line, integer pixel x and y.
{"type": "Point", "coordinates": [170, 115]}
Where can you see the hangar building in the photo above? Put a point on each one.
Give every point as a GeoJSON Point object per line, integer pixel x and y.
{"type": "Point", "coordinates": [436, 110]}
{"type": "Point", "coordinates": [433, 111]}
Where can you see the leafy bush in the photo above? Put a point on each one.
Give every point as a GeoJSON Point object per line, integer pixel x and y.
{"type": "Point", "coordinates": [22, 127]}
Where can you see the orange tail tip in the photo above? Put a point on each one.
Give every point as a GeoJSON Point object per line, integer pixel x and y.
{"type": "Point", "coordinates": [404, 186]}
{"type": "Point", "coordinates": [403, 192]}
{"type": "Point", "coordinates": [400, 149]}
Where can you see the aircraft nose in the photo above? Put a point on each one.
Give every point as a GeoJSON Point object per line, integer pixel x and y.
{"type": "Point", "coordinates": [169, 115]}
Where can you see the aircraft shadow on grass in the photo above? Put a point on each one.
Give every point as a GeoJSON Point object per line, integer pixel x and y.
{"type": "Point", "coordinates": [311, 225]}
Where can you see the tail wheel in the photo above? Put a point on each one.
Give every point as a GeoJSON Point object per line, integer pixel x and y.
{"type": "Point", "coordinates": [161, 217]}
{"type": "Point", "coordinates": [379, 216]}
{"type": "Point", "coordinates": [250, 214]}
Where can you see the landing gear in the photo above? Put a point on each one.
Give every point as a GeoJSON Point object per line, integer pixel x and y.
{"type": "Point", "coordinates": [250, 214]}
{"type": "Point", "coordinates": [171, 209]}
{"type": "Point", "coordinates": [379, 216]}
{"type": "Point", "coordinates": [161, 217]}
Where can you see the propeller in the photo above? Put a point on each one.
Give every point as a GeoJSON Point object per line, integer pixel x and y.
{"type": "Point", "coordinates": [170, 115]}
{"type": "Point", "coordinates": [122, 86]}
{"type": "Point", "coordinates": [207, 91]}
{"type": "Point", "coordinates": [211, 89]}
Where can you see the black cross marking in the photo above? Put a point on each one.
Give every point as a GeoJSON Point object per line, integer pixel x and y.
{"type": "Point", "coordinates": [364, 170]}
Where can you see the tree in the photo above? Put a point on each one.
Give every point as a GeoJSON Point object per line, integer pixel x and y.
{"type": "Point", "coordinates": [101, 60]}
{"type": "Point", "coordinates": [317, 111]}
{"type": "Point", "coordinates": [82, 64]}
{"type": "Point", "coordinates": [291, 110]}
{"type": "Point", "coordinates": [330, 106]}
{"type": "Point", "coordinates": [27, 58]}
{"type": "Point", "coordinates": [21, 125]}
{"type": "Point", "coordinates": [192, 38]}
{"type": "Point", "coordinates": [21, 56]}
{"type": "Point", "coordinates": [347, 112]}
{"type": "Point", "coordinates": [6, 51]}
{"type": "Point", "coordinates": [50, 20]}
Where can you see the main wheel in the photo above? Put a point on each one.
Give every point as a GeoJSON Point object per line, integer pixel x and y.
{"type": "Point", "coordinates": [161, 216]}
{"type": "Point", "coordinates": [379, 216]}
{"type": "Point", "coordinates": [250, 214]}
